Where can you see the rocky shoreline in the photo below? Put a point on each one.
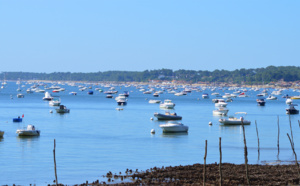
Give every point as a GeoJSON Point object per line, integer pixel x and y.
{"type": "Point", "coordinates": [232, 174]}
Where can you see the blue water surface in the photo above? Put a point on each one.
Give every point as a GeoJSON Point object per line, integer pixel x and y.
{"type": "Point", "coordinates": [95, 138]}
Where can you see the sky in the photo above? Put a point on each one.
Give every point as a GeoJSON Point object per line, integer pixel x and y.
{"type": "Point", "coordinates": [137, 35]}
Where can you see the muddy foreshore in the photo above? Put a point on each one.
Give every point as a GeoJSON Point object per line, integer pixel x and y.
{"type": "Point", "coordinates": [232, 174]}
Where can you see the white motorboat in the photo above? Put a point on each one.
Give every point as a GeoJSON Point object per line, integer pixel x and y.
{"type": "Point", "coordinates": [205, 96]}
{"type": "Point", "coordinates": [173, 126]}
{"type": "Point", "coordinates": [121, 96]}
{"type": "Point", "coordinates": [62, 109]}
{"type": "Point", "coordinates": [179, 94]}
{"type": "Point", "coordinates": [167, 104]}
{"type": "Point", "coordinates": [121, 99]}
{"type": "Point", "coordinates": [220, 103]}
{"type": "Point", "coordinates": [47, 97]}
{"type": "Point", "coordinates": [227, 95]}
{"type": "Point", "coordinates": [154, 101]}
{"type": "Point", "coordinates": [20, 96]}
{"type": "Point", "coordinates": [235, 121]}
{"type": "Point", "coordinates": [220, 111]}
{"type": "Point", "coordinates": [271, 97]}
{"type": "Point", "coordinates": [29, 91]}
{"type": "Point", "coordinates": [55, 101]}
{"type": "Point", "coordinates": [30, 131]}
{"type": "Point", "coordinates": [147, 92]}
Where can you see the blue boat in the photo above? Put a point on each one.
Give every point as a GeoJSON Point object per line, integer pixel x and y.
{"type": "Point", "coordinates": [90, 92]}
{"type": "Point", "coordinates": [17, 119]}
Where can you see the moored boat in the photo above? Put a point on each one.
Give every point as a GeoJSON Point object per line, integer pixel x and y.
{"type": "Point", "coordinates": [174, 127]}
{"type": "Point", "coordinates": [62, 109]}
{"type": "Point", "coordinates": [261, 102]}
{"type": "Point", "coordinates": [221, 111]}
{"type": "Point", "coordinates": [167, 116]}
{"type": "Point", "coordinates": [47, 97]}
{"type": "Point", "coordinates": [167, 104]}
{"type": "Point", "coordinates": [231, 120]}
{"type": "Point", "coordinates": [292, 109]}
{"type": "Point", "coordinates": [30, 131]}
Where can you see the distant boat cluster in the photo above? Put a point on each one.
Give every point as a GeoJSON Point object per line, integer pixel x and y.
{"type": "Point", "coordinates": [220, 102]}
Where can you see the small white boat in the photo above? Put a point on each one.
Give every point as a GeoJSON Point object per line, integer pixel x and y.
{"type": "Point", "coordinates": [47, 97]}
{"type": "Point", "coordinates": [179, 94]}
{"type": "Point", "coordinates": [167, 104]}
{"type": "Point", "coordinates": [55, 101]}
{"type": "Point", "coordinates": [271, 97]}
{"type": "Point", "coordinates": [220, 103]}
{"type": "Point", "coordinates": [30, 131]}
{"type": "Point", "coordinates": [20, 96]}
{"type": "Point", "coordinates": [62, 109]}
{"type": "Point", "coordinates": [154, 101]}
{"type": "Point", "coordinates": [220, 111]}
{"type": "Point", "coordinates": [147, 92]}
{"type": "Point", "coordinates": [173, 126]}
{"type": "Point", "coordinates": [205, 96]}
{"type": "Point", "coordinates": [29, 91]}
{"type": "Point", "coordinates": [235, 121]}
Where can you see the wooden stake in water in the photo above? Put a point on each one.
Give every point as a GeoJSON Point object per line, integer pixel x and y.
{"type": "Point", "coordinates": [55, 164]}
{"type": "Point", "coordinates": [220, 164]}
{"type": "Point", "coordinates": [291, 129]}
{"type": "Point", "coordinates": [278, 136]}
{"type": "Point", "coordinates": [245, 152]}
{"type": "Point", "coordinates": [204, 166]}
{"type": "Point", "coordinates": [257, 139]}
{"type": "Point", "coordinates": [292, 145]}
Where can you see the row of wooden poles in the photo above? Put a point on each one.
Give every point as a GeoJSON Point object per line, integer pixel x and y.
{"type": "Point", "coordinates": [291, 139]}
{"type": "Point", "coordinates": [220, 149]}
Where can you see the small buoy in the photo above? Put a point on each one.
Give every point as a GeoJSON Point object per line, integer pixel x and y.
{"type": "Point", "coordinates": [210, 123]}
{"type": "Point", "coordinates": [151, 118]}
{"type": "Point", "coordinates": [152, 131]}
{"type": "Point", "coordinates": [51, 111]}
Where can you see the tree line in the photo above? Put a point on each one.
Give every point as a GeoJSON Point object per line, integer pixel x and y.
{"type": "Point", "coordinates": [247, 76]}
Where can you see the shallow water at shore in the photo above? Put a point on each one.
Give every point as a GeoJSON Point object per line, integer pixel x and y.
{"type": "Point", "coordinates": [95, 138]}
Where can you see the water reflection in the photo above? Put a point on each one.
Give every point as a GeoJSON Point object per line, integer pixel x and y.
{"type": "Point", "coordinates": [28, 140]}
{"type": "Point", "coordinates": [232, 128]}
{"type": "Point", "coordinates": [174, 135]}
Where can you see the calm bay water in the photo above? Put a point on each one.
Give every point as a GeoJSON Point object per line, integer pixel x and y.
{"type": "Point", "coordinates": [95, 138]}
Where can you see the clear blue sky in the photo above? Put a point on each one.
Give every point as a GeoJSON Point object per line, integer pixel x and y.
{"type": "Point", "coordinates": [137, 35]}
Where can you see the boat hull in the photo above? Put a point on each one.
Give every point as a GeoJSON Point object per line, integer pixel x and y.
{"type": "Point", "coordinates": [122, 103]}
{"type": "Point", "coordinates": [28, 132]}
{"type": "Point", "coordinates": [289, 111]}
{"type": "Point", "coordinates": [167, 117]}
{"type": "Point", "coordinates": [62, 111]}
{"type": "Point", "coordinates": [234, 122]}
{"type": "Point", "coordinates": [17, 119]}
{"type": "Point", "coordinates": [174, 129]}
